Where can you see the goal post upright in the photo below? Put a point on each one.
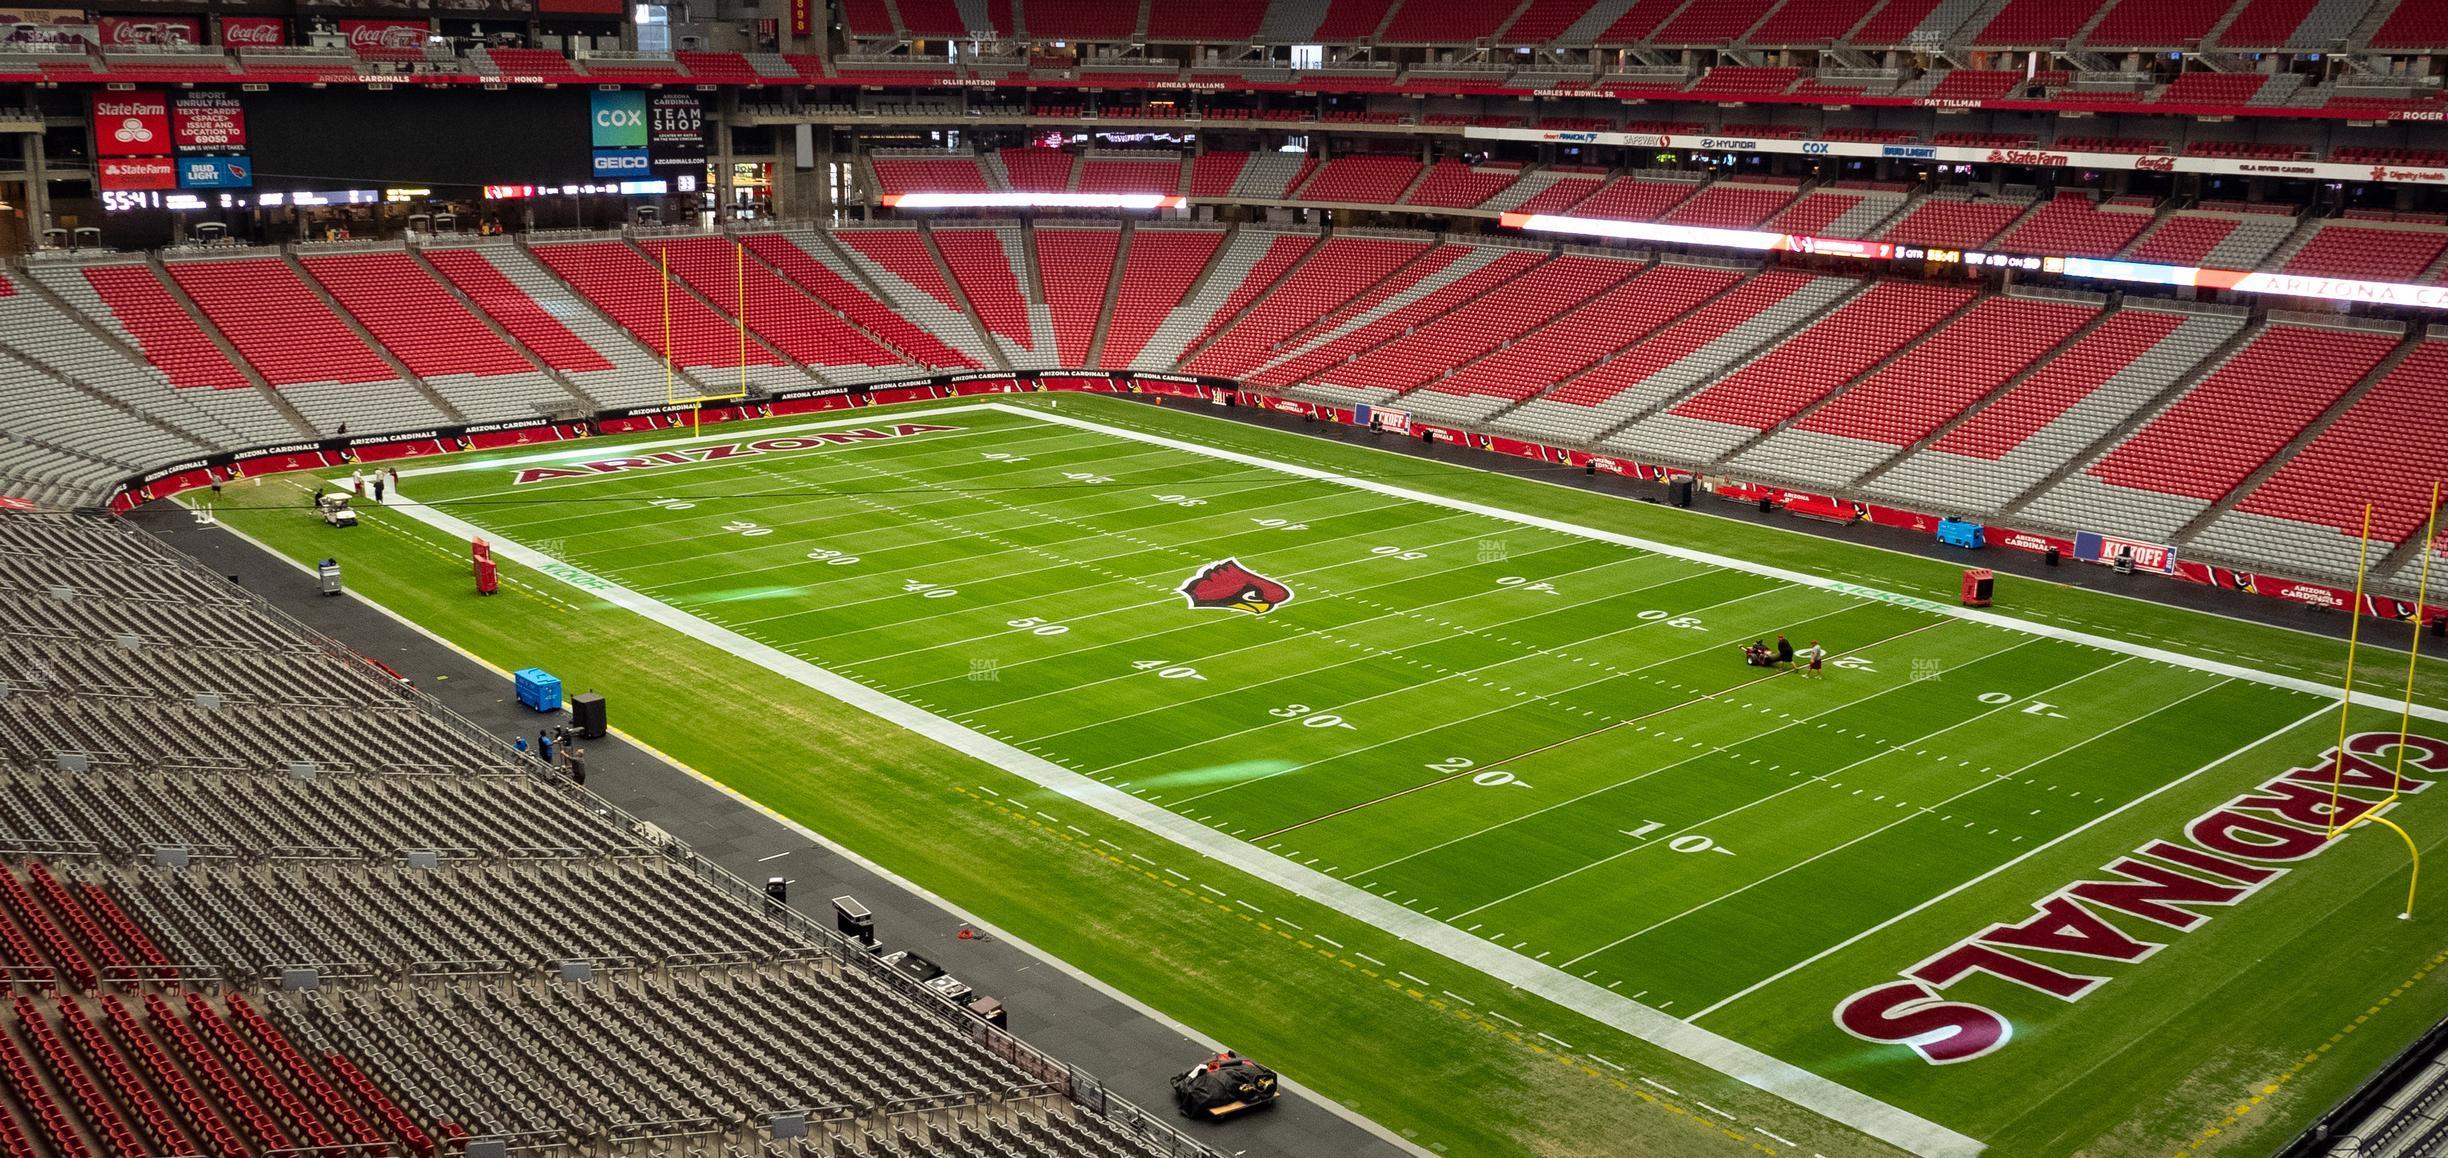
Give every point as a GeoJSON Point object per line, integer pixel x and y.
{"type": "Point", "coordinates": [671, 375]}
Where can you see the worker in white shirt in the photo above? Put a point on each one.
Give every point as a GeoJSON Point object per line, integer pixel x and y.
{"type": "Point", "coordinates": [1811, 657]}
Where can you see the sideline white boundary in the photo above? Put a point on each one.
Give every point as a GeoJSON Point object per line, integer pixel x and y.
{"type": "Point", "coordinates": [913, 888]}
{"type": "Point", "coordinates": [1818, 1094]}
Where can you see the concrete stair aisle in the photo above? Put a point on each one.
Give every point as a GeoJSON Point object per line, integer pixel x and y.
{"type": "Point", "coordinates": [1345, 323]}
{"type": "Point", "coordinates": [2361, 37]}
{"type": "Point", "coordinates": [1495, 418]}
{"type": "Point", "coordinates": [1736, 345]}
{"type": "Point", "coordinates": [802, 293]}
{"type": "Point", "coordinates": [2038, 503]}
{"type": "Point", "coordinates": [1409, 278]}
{"type": "Point", "coordinates": [578, 402]}
{"type": "Point", "coordinates": [221, 342]}
{"type": "Point", "coordinates": [1020, 248]}
{"type": "Point", "coordinates": [1906, 347]}
{"type": "Point", "coordinates": [321, 294]}
{"type": "Point", "coordinates": [1113, 278]}
{"type": "Point", "coordinates": [1943, 429]}
{"type": "Point", "coordinates": [951, 324]}
{"type": "Point", "coordinates": [1218, 325]}
{"type": "Point", "coordinates": [1240, 252]}
{"type": "Point", "coordinates": [996, 346]}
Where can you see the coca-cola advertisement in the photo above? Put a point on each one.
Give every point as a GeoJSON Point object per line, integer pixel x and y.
{"type": "Point", "coordinates": [207, 122]}
{"type": "Point", "coordinates": [122, 30]}
{"type": "Point", "coordinates": [254, 31]}
{"type": "Point", "coordinates": [131, 124]}
{"type": "Point", "coordinates": [385, 35]}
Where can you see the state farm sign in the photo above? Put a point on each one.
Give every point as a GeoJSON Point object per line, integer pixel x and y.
{"type": "Point", "coordinates": [131, 124]}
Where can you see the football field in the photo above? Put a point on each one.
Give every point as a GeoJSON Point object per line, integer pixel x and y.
{"type": "Point", "coordinates": [1531, 747]}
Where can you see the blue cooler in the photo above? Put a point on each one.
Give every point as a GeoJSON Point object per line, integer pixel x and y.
{"type": "Point", "coordinates": [538, 690]}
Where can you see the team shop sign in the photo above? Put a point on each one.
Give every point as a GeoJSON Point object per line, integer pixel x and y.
{"type": "Point", "coordinates": [699, 454]}
{"type": "Point", "coordinates": [2068, 948]}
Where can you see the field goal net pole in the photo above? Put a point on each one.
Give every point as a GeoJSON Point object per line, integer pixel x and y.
{"type": "Point", "coordinates": [2354, 636]}
{"type": "Point", "coordinates": [2405, 719]}
{"type": "Point", "coordinates": [696, 402]}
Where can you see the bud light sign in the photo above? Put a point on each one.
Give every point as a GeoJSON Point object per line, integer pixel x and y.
{"type": "Point", "coordinates": [215, 173]}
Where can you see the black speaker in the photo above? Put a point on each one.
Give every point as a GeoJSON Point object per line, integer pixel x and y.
{"type": "Point", "coordinates": [2051, 557]}
{"type": "Point", "coordinates": [777, 895]}
{"type": "Point", "coordinates": [853, 919]}
{"type": "Point", "coordinates": [587, 712]}
{"type": "Point", "coordinates": [1679, 492]}
{"type": "Point", "coordinates": [2439, 627]}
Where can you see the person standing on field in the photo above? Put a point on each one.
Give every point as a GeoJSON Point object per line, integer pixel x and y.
{"type": "Point", "coordinates": [1811, 657]}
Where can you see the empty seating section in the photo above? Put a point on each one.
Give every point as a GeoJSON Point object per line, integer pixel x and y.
{"type": "Point", "coordinates": [1210, 23]}
{"type": "Point", "coordinates": [1694, 348]}
{"type": "Point", "coordinates": [1440, 281]}
{"type": "Point", "coordinates": [827, 285]}
{"type": "Point", "coordinates": [1271, 176]}
{"type": "Point", "coordinates": [2250, 406]}
{"type": "Point", "coordinates": [162, 328]}
{"type": "Point", "coordinates": [1445, 21]}
{"type": "Point", "coordinates": [1954, 223]}
{"type": "Point", "coordinates": [1451, 184]}
{"type": "Point", "coordinates": [151, 1009]}
{"type": "Point", "coordinates": [1366, 179]}
{"type": "Point", "coordinates": [1910, 398]}
{"type": "Point", "coordinates": [1801, 371]}
{"type": "Point", "coordinates": [2266, 23]}
{"type": "Point", "coordinates": [1544, 20]}
{"type": "Point", "coordinates": [1038, 170]}
{"type": "Point", "coordinates": [1635, 199]}
{"type": "Point", "coordinates": [939, 18]}
{"type": "Point", "coordinates": [1126, 173]}
{"type": "Point", "coordinates": [988, 270]}
{"type": "Point", "coordinates": [1638, 21]}
{"type": "Point", "coordinates": [1339, 269]}
{"type": "Point", "coordinates": [2038, 23]}
{"type": "Point", "coordinates": [1555, 189]}
{"type": "Point", "coordinates": [1570, 341]}
{"type": "Point", "coordinates": [671, 322]}
{"type": "Point", "coordinates": [1349, 20]}
{"type": "Point", "coordinates": [1895, 21]}
{"type": "Point", "coordinates": [1482, 324]}
{"type": "Point", "coordinates": [2368, 253]}
{"type": "Point", "coordinates": [898, 261]}
{"type": "Point", "coordinates": [2183, 239]}
{"type": "Point", "coordinates": [1082, 19]}
{"type": "Point", "coordinates": [276, 323]}
{"type": "Point", "coordinates": [2385, 450]}
{"type": "Point", "coordinates": [2070, 223]}
{"type": "Point", "coordinates": [518, 314]}
{"type": "Point", "coordinates": [775, 310]}
{"type": "Point", "coordinates": [1161, 267]}
{"type": "Point", "coordinates": [1213, 174]}
{"type": "Point", "coordinates": [1843, 210]}
{"type": "Point", "coordinates": [1732, 205]}
{"type": "Point", "coordinates": [1810, 21]}
{"type": "Point", "coordinates": [1717, 22]}
{"type": "Point", "coordinates": [1729, 82]}
{"type": "Point", "coordinates": [417, 320]}
{"type": "Point", "coordinates": [2157, 23]}
{"type": "Point", "coordinates": [2218, 88]}
{"type": "Point", "coordinates": [929, 174]}
{"type": "Point", "coordinates": [1248, 267]}
{"type": "Point", "coordinates": [2413, 25]}
{"type": "Point", "coordinates": [1077, 267]}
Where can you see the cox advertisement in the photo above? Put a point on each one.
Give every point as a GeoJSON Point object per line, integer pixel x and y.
{"type": "Point", "coordinates": [634, 136]}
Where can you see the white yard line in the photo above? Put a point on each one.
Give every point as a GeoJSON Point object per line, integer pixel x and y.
{"type": "Point", "coordinates": [1856, 938]}
{"type": "Point", "coordinates": [1990, 618]}
{"type": "Point", "coordinates": [1802, 1087]}
{"type": "Point", "coordinates": [1992, 782]}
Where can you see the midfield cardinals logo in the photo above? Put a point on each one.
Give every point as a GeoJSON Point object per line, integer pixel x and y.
{"type": "Point", "coordinates": [1231, 586]}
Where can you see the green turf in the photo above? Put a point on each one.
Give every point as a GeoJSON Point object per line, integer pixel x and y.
{"type": "Point", "coordinates": [1545, 740]}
